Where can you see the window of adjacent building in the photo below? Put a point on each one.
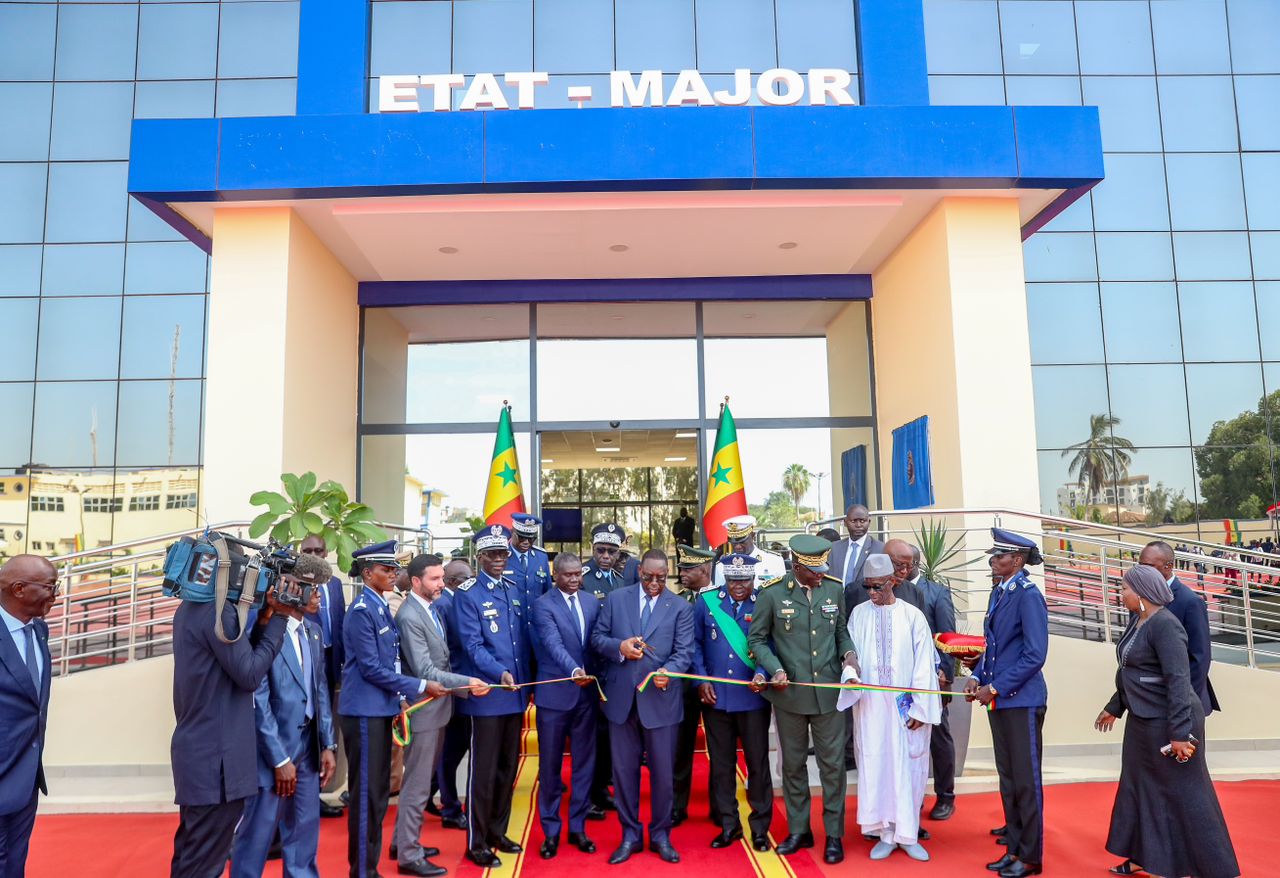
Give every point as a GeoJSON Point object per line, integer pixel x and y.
{"type": "Point", "coordinates": [47, 504]}
{"type": "Point", "coordinates": [146, 503]}
{"type": "Point", "coordinates": [103, 504]}
{"type": "Point", "coordinates": [180, 501]}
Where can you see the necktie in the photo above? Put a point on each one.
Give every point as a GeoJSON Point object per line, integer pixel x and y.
{"type": "Point", "coordinates": [645, 612]}
{"type": "Point", "coordinates": [851, 560]}
{"type": "Point", "coordinates": [32, 657]}
{"type": "Point", "coordinates": [524, 562]}
{"type": "Point", "coordinates": [324, 617]}
{"type": "Point", "coordinates": [434, 618]}
{"type": "Point", "coordinates": [737, 606]}
{"type": "Point", "coordinates": [304, 660]}
{"type": "Point", "coordinates": [577, 617]}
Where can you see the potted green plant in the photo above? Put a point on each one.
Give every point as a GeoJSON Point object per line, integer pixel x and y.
{"type": "Point", "coordinates": [307, 508]}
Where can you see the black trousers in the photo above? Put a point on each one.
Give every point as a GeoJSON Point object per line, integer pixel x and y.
{"type": "Point", "coordinates": [686, 742]}
{"type": "Point", "coordinates": [368, 743]}
{"type": "Point", "coordinates": [457, 741]}
{"type": "Point", "coordinates": [1016, 735]}
{"type": "Point", "coordinates": [202, 843]}
{"type": "Point", "coordinates": [724, 731]}
{"type": "Point", "coordinates": [495, 755]}
{"type": "Point", "coordinates": [942, 750]}
{"type": "Point", "coordinates": [603, 777]}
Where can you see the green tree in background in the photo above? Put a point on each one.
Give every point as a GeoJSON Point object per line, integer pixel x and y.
{"type": "Point", "coordinates": [778, 510]}
{"type": "Point", "coordinates": [1103, 457]}
{"type": "Point", "coordinates": [795, 480]}
{"type": "Point", "coordinates": [1235, 463]}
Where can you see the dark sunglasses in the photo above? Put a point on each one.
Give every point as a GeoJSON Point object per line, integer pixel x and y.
{"type": "Point", "coordinates": [870, 587]}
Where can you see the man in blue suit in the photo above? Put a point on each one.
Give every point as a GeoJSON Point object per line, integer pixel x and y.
{"type": "Point", "coordinates": [606, 572]}
{"type": "Point", "coordinates": [563, 619]}
{"type": "Point", "coordinates": [28, 587]}
{"type": "Point", "coordinates": [641, 629]}
{"type": "Point", "coordinates": [295, 745]}
{"type": "Point", "coordinates": [1010, 673]}
{"type": "Point", "coordinates": [328, 616]}
{"type": "Point", "coordinates": [372, 691]}
{"type": "Point", "coordinates": [721, 620]}
{"type": "Point", "coordinates": [528, 566]}
{"type": "Point", "coordinates": [488, 616]}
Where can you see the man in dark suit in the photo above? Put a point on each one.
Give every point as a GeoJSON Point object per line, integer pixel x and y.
{"type": "Point", "coordinates": [295, 746]}
{"type": "Point", "coordinates": [214, 747]}
{"type": "Point", "coordinates": [641, 629]}
{"type": "Point", "coordinates": [28, 587]}
{"type": "Point", "coordinates": [329, 616]}
{"type": "Point", "coordinates": [562, 622]}
{"type": "Point", "coordinates": [847, 558]}
{"type": "Point", "coordinates": [1191, 610]}
{"type": "Point", "coordinates": [940, 612]}
{"type": "Point", "coordinates": [424, 647]}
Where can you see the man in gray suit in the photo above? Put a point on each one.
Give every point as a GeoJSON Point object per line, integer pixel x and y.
{"type": "Point", "coordinates": [424, 650]}
{"type": "Point", "coordinates": [846, 561]}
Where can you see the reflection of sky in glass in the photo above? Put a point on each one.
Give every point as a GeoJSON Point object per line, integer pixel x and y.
{"type": "Point", "coordinates": [457, 464]}
{"type": "Point", "coordinates": [1220, 392]}
{"type": "Point", "coordinates": [143, 436]}
{"type": "Point", "coordinates": [75, 424]}
{"type": "Point", "coordinates": [1065, 398]}
{"type": "Point", "coordinates": [467, 381]}
{"type": "Point", "coordinates": [616, 379]}
{"type": "Point", "coordinates": [759, 377]}
{"type": "Point", "coordinates": [1150, 402]}
{"type": "Point", "coordinates": [767, 453]}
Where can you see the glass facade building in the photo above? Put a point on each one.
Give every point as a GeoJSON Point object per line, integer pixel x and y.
{"type": "Point", "coordinates": [1150, 300]}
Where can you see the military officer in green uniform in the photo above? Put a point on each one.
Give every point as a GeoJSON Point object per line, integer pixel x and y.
{"type": "Point", "coordinates": [798, 635]}
{"type": "Point", "coordinates": [695, 575]}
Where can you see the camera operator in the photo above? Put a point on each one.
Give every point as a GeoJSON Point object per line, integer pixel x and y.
{"type": "Point", "coordinates": [372, 691]}
{"type": "Point", "coordinates": [214, 748]}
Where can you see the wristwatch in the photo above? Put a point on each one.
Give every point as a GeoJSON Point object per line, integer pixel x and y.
{"type": "Point", "coordinates": [994, 693]}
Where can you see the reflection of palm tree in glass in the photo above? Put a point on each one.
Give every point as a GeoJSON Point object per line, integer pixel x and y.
{"type": "Point", "coordinates": [1103, 457]}
{"type": "Point", "coordinates": [795, 480]}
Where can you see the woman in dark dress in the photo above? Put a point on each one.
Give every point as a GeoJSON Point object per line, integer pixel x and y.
{"type": "Point", "coordinates": [1166, 815]}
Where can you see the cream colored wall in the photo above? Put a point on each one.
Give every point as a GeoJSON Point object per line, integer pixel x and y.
{"type": "Point", "coordinates": [1080, 676]}
{"type": "Point", "coordinates": [119, 715]}
{"type": "Point", "coordinates": [949, 323]}
{"type": "Point", "coordinates": [283, 347]}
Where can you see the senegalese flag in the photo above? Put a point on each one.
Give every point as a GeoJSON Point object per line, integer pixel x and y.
{"type": "Point", "coordinates": [726, 493]}
{"type": "Point", "coordinates": [1232, 527]}
{"type": "Point", "coordinates": [503, 495]}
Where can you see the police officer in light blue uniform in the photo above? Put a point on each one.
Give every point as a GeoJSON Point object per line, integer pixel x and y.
{"type": "Point", "coordinates": [721, 617]}
{"type": "Point", "coordinates": [372, 691]}
{"type": "Point", "coordinates": [528, 567]}
{"type": "Point", "coordinates": [487, 617]}
{"type": "Point", "coordinates": [1010, 674]}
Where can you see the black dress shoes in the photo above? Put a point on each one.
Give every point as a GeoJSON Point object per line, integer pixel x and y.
{"type": "Point", "coordinates": [664, 850]}
{"type": "Point", "coordinates": [327, 810]}
{"type": "Point", "coordinates": [1020, 869]}
{"type": "Point", "coordinates": [606, 804]}
{"type": "Point", "coordinates": [761, 843]}
{"type": "Point", "coordinates": [432, 808]}
{"type": "Point", "coordinates": [484, 858]}
{"type": "Point", "coordinates": [1003, 863]}
{"type": "Point", "coordinates": [679, 816]}
{"type": "Point", "coordinates": [1000, 830]}
{"type": "Point", "coordinates": [834, 851]}
{"type": "Point", "coordinates": [423, 867]}
{"type": "Point", "coordinates": [582, 843]}
{"type": "Point", "coordinates": [507, 846]}
{"type": "Point", "coordinates": [393, 852]}
{"type": "Point", "coordinates": [459, 822]}
{"type": "Point", "coordinates": [549, 848]}
{"type": "Point", "coordinates": [1002, 840]}
{"type": "Point", "coordinates": [595, 813]}
{"type": "Point", "coordinates": [726, 838]}
{"type": "Point", "coordinates": [793, 843]}
{"type": "Point", "coordinates": [624, 852]}
{"type": "Point", "coordinates": [942, 810]}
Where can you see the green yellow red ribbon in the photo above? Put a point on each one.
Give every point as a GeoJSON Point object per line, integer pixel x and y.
{"type": "Point", "coordinates": [856, 687]}
{"type": "Point", "coordinates": [402, 734]}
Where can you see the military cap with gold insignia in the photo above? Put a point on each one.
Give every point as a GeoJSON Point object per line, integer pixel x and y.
{"type": "Point", "coordinates": [810, 551]}
{"type": "Point", "coordinates": [740, 527]}
{"type": "Point", "coordinates": [690, 556]}
{"type": "Point", "coordinates": [737, 566]}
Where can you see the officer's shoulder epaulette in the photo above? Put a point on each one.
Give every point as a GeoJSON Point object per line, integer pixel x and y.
{"type": "Point", "coordinates": [765, 583]}
{"type": "Point", "coordinates": [1028, 583]}
{"type": "Point", "coordinates": [827, 577]}
{"type": "Point", "coordinates": [464, 586]}
{"type": "Point", "coordinates": [711, 587]}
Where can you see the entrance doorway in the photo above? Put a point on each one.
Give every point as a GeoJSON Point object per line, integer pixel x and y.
{"type": "Point", "coordinates": [637, 479]}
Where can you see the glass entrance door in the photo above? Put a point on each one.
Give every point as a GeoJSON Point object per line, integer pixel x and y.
{"type": "Point", "coordinates": [637, 479]}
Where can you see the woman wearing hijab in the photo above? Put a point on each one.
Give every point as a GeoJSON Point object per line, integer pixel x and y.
{"type": "Point", "coordinates": [1166, 814]}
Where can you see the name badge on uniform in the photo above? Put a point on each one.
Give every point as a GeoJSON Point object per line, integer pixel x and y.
{"type": "Point", "coordinates": [599, 594]}
{"type": "Point", "coordinates": [829, 610]}
{"type": "Point", "coordinates": [384, 630]}
{"type": "Point", "coordinates": [489, 614]}
{"type": "Point", "coordinates": [397, 665]}
{"type": "Point", "coordinates": [787, 611]}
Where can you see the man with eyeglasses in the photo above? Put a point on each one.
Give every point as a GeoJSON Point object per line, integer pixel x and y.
{"type": "Point", "coordinates": [28, 588]}
{"type": "Point", "coordinates": [643, 629]}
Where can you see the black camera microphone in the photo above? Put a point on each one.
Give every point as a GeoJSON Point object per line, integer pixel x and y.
{"type": "Point", "coordinates": [309, 573]}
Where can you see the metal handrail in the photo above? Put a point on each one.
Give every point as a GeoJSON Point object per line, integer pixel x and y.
{"type": "Point", "coordinates": [112, 610]}
{"type": "Point", "coordinates": [1243, 595]}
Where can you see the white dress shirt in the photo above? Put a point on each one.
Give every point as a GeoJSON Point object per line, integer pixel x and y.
{"type": "Point", "coordinates": [20, 639]}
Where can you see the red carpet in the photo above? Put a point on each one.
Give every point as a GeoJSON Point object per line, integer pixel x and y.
{"type": "Point", "coordinates": [120, 845]}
